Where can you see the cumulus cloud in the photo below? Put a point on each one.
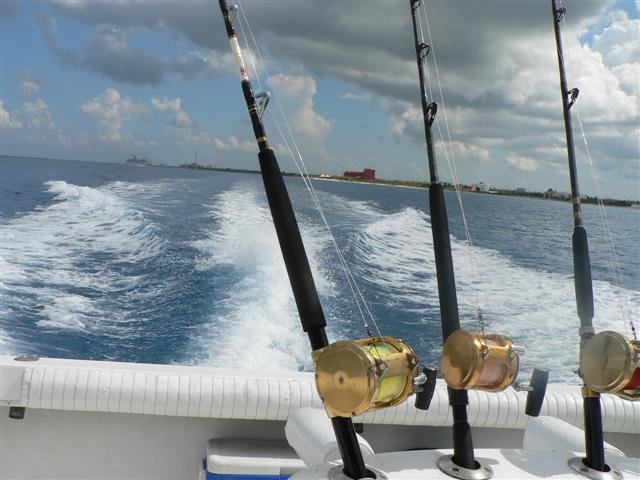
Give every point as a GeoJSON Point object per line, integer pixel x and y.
{"type": "Point", "coordinates": [358, 97]}
{"type": "Point", "coordinates": [193, 20]}
{"type": "Point", "coordinates": [470, 152]}
{"type": "Point", "coordinates": [29, 87]}
{"type": "Point", "coordinates": [8, 120]}
{"type": "Point", "coordinates": [179, 119]}
{"type": "Point", "coordinates": [496, 61]}
{"type": "Point", "coordinates": [112, 111]}
{"type": "Point", "coordinates": [179, 122]}
{"type": "Point", "coordinates": [232, 143]}
{"type": "Point", "coordinates": [41, 125]}
{"type": "Point", "coordinates": [526, 164]}
{"type": "Point", "coordinates": [110, 54]}
{"type": "Point", "coordinates": [618, 42]}
{"type": "Point", "coordinates": [296, 93]}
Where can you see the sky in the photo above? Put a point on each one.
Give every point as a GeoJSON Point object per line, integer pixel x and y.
{"type": "Point", "coordinates": [102, 81]}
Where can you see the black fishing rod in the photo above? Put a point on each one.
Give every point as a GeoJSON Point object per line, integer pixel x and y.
{"type": "Point", "coordinates": [463, 455]}
{"type": "Point", "coordinates": [293, 252]}
{"type": "Point", "coordinates": [581, 265]}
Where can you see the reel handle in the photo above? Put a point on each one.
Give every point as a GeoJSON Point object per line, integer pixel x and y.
{"type": "Point", "coordinates": [426, 388]}
{"type": "Point", "coordinates": [535, 396]}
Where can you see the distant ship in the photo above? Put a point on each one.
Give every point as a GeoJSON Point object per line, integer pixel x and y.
{"type": "Point", "coordinates": [138, 161]}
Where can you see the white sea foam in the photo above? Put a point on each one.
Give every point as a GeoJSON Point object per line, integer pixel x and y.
{"type": "Point", "coordinates": [256, 324]}
{"type": "Point", "coordinates": [59, 260]}
{"type": "Point", "coordinates": [394, 252]}
{"type": "Point", "coordinates": [536, 308]}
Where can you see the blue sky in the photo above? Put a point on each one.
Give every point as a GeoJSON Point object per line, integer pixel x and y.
{"type": "Point", "coordinates": [102, 81]}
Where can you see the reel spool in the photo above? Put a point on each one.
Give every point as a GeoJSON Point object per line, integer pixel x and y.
{"type": "Point", "coordinates": [610, 363]}
{"type": "Point", "coordinates": [354, 377]}
{"type": "Point", "coordinates": [473, 361]}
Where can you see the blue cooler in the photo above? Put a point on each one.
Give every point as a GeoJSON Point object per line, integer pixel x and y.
{"type": "Point", "coordinates": [231, 459]}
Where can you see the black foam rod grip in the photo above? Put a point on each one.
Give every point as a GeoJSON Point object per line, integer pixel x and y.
{"type": "Point", "coordinates": [582, 276]}
{"type": "Point", "coordinates": [535, 397]}
{"type": "Point", "coordinates": [295, 257]}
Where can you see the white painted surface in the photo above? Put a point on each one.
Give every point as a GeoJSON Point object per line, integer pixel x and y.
{"type": "Point", "coordinates": [56, 444]}
{"type": "Point", "coordinates": [187, 391]}
{"type": "Point", "coordinates": [11, 381]}
{"type": "Point", "coordinates": [506, 464]}
{"type": "Point", "coordinates": [310, 433]}
{"type": "Point", "coordinates": [105, 420]}
{"type": "Point", "coordinates": [549, 433]}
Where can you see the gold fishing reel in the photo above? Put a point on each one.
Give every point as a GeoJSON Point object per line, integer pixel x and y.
{"type": "Point", "coordinates": [610, 363]}
{"type": "Point", "coordinates": [475, 361]}
{"type": "Point", "coordinates": [354, 377]}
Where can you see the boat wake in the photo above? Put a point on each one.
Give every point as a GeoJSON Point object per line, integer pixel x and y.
{"type": "Point", "coordinates": [113, 272]}
{"type": "Point", "coordinates": [535, 307]}
{"type": "Point", "coordinates": [253, 318]}
{"type": "Point", "coordinates": [77, 264]}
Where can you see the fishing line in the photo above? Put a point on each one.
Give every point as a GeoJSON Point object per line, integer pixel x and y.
{"type": "Point", "coordinates": [449, 155]}
{"type": "Point", "coordinates": [614, 263]}
{"type": "Point", "coordinates": [304, 174]}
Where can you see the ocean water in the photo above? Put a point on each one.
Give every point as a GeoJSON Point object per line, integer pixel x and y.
{"type": "Point", "coordinates": [165, 265]}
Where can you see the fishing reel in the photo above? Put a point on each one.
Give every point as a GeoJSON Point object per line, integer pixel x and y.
{"type": "Point", "coordinates": [610, 363]}
{"type": "Point", "coordinates": [354, 377]}
{"type": "Point", "coordinates": [489, 362]}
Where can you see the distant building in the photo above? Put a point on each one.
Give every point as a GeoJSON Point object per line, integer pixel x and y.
{"type": "Point", "coordinates": [521, 190]}
{"type": "Point", "coordinates": [482, 187]}
{"type": "Point", "coordinates": [138, 161]}
{"type": "Point", "coordinates": [551, 193]}
{"type": "Point", "coordinates": [366, 174]}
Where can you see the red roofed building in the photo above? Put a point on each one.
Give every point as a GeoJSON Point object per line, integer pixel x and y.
{"type": "Point", "coordinates": [366, 174]}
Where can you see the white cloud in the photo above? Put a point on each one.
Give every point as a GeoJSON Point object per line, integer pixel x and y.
{"type": "Point", "coordinates": [39, 116]}
{"type": "Point", "coordinates": [358, 97]}
{"type": "Point", "coordinates": [519, 162]}
{"type": "Point", "coordinates": [112, 111]}
{"type": "Point", "coordinates": [407, 122]}
{"type": "Point", "coordinates": [29, 87]}
{"type": "Point", "coordinates": [232, 143]}
{"type": "Point", "coordinates": [468, 151]}
{"type": "Point", "coordinates": [8, 120]}
{"type": "Point", "coordinates": [180, 118]}
{"type": "Point", "coordinates": [180, 124]}
{"type": "Point", "coordinates": [618, 42]}
{"type": "Point", "coordinates": [296, 93]}
{"type": "Point", "coordinates": [41, 124]}
{"type": "Point", "coordinates": [500, 78]}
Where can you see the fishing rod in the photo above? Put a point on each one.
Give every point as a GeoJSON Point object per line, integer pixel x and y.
{"type": "Point", "coordinates": [293, 252]}
{"type": "Point", "coordinates": [470, 360]}
{"type": "Point", "coordinates": [458, 399]}
{"type": "Point", "coordinates": [608, 361]}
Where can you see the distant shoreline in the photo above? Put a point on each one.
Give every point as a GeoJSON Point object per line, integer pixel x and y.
{"type": "Point", "coordinates": [560, 196]}
{"type": "Point", "coordinates": [548, 195]}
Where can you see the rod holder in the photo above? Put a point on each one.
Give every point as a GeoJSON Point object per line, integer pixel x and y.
{"type": "Point", "coordinates": [535, 397]}
{"type": "Point", "coordinates": [426, 389]}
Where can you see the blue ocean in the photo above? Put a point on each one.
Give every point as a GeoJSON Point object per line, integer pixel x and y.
{"type": "Point", "coordinates": [167, 265]}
